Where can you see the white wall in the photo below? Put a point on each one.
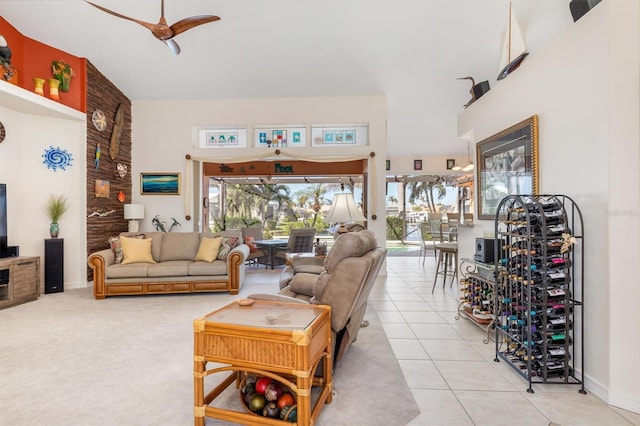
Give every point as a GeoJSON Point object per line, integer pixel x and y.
{"type": "Point", "coordinates": [162, 136]}
{"type": "Point", "coordinates": [585, 90]}
{"type": "Point", "coordinates": [30, 182]}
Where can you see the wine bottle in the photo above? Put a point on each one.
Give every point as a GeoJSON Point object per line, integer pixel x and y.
{"type": "Point", "coordinates": [559, 309]}
{"type": "Point", "coordinates": [555, 217]}
{"type": "Point", "coordinates": [550, 231]}
{"type": "Point", "coordinates": [553, 277]}
{"type": "Point", "coordinates": [546, 204]}
{"type": "Point", "coordinates": [549, 293]}
{"type": "Point", "coordinates": [552, 368]}
{"type": "Point", "coordinates": [550, 262]}
{"type": "Point", "coordinates": [558, 323]}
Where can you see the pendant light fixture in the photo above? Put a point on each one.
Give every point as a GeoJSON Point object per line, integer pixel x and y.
{"type": "Point", "coordinates": [467, 167]}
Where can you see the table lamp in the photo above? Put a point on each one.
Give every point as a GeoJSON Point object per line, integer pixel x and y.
{"type": "Point", "coordinates": [134, 212]}
{"type": "Point", "coordinates": [344, 209]}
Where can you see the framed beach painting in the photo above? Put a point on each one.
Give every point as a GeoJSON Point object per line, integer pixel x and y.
{"type": "Point", "coordinates": [507, 165]}
{"type": "Point", "coordinates": [160, 183]}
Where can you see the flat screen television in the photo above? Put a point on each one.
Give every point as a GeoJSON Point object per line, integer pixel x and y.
{"type": "Point", "coordinates": [3, 220]}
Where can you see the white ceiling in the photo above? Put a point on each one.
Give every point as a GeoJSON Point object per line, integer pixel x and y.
{"type": "Point", "coordinates": [411, 51]}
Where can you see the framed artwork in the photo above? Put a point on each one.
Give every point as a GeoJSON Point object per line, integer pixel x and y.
{"type": "Point", "coordinates": [507, 165]}
{"type": "Point", "coordinates": [290, 136]}
{"type": "Point", "coordinates": [388, 165]}
{"type": "Point", "coordinates": [219, 138]}
{"type": "Point", "coordinates": [160, 183]}
{"type": "Point", "coordinates": [102, 188]}
{"type": "Point", "coordinates": [450, 163]}
{"type": "Point", "coordinates": [209, 137]}
{"type": "Point", "coordinates": [417, 164]}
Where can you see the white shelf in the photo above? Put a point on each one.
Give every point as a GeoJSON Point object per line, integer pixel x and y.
{"type": "Point", "coordinates": [22, 100]}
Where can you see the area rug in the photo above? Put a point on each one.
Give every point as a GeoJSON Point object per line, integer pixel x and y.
{"type": "Point", "coordinates": [67, 359]}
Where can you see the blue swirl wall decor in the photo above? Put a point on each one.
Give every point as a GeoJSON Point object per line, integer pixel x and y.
{"type": "Point", "coordinates": [56, 158]}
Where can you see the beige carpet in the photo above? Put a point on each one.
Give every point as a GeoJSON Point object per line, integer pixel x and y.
{"type": "Point", "coordinates": [67, 359]}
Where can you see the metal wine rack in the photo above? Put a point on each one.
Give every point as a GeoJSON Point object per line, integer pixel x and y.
{"type": "Point", "coordinates": [539, 314]}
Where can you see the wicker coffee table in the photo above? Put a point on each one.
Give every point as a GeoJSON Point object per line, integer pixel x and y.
{"type": "Point", "coordinates": [284, 341]}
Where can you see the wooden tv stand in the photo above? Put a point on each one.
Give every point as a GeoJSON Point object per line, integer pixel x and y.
{"type": "Point", "coordinates": [19, 280]}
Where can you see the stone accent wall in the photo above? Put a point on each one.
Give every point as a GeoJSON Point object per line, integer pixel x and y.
{"type": "Point", "coordinates": [105, 96]}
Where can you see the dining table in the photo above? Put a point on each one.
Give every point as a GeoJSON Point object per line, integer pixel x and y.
{"type": "Point", "coordinates": [270, 247]}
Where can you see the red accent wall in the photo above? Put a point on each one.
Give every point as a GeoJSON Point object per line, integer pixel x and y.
{"type": "Point", "coordinates": [33, 59]}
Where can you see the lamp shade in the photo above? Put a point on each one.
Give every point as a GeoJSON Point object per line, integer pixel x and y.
{"type": "Point", "coordinates": [133, 211]}
{"type": "Point", "coordinates": [344, 209]}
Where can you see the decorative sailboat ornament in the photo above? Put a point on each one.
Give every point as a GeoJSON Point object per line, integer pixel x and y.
{"type": "Point", "coordinates": [513, 49]}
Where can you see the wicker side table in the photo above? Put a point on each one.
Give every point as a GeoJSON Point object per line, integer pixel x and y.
{"type": "Point", "coordinates": [284, 341]}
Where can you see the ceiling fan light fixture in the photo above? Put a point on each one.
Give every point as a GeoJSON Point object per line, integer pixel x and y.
{"type": "Point", "coordinates": [162, 31]}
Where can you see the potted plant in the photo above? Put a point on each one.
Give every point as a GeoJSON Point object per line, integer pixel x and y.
{"type": "Point", "coordinates": [56, 206]}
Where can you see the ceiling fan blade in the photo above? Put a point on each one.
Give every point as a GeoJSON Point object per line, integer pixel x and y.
{"type": "Point", "coordinates": [147, 25]}
{"type": "Point", "coordinates": [193, 21]}
{"type": "Point", "coordinates": [175, 49]}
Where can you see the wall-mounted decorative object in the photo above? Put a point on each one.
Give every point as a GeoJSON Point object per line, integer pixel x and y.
{"type": "Point", "coordinates": [38, 86]}
{"type": "Point", "coordinates": [507, 165]}
{"type": "Point", "coordinates": [388, 165]}
{"type": "Point", "coordinates": [220, 137]}
{"type": "Point", "coordinates": [101, 213]}
{"type": "Point", "coordinates": [280, 136]}
{"type": "Point", "coordinates": [121, 197]}
{"type": "Point", "coordinates": [96, 160]}
{"type": "Point", "coordinates": [345, 134]}
{"type": "Point", "coordinates": [63, 73]}
{"type": "Point", "coordinates": [114, 145]}
{"type": "Point", "coordinates": [102, 188]}
{"type": "Point", "coordinates": [99, 120]}
{"type": "Point", "coordinates": [53, 89]}
{"type": "Point", "coordinates": [450, 163]}
{"type": "Point", "coordinates": [56, 158]}
{"type": "Point", "coordinates": [121, 170]}
{"type": "Point", "coordinates": [160, 183]}
{"type": "Point", "coordinates": [417, 164]}
{"type": "Point", "coordinates": [3, 132]}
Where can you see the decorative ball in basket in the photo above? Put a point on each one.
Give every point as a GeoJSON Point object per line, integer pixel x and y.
{"type": "Point", "coordinates": [269, 398]}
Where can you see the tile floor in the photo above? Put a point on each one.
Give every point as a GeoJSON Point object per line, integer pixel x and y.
{"type": "Point", "coordinates": [451, 371]}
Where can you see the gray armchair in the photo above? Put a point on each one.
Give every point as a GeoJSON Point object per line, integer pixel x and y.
{"type": "Point", "coordinates": [350, 270]}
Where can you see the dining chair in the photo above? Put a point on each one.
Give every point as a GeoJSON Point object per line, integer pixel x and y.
{"type": "Point", "coordinates": [249, 235]}
{"type": "Point", "coordinates": [300, 241]}
{"type": "Point", "coordinates": [453, 218]}
{"type": "Point", "coordinates": [427, 241]}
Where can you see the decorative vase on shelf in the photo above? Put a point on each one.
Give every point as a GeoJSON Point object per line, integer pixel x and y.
{"type": "Point", "coordinates": [54, 230]}
{"type": "Point", "coordinates": [38, 86]}
{"type": "Point", "coordinates": [53, 89]}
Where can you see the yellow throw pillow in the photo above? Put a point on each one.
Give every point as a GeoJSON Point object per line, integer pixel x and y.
{"type": "Point", "coordinates": [136, 250]}
{"type": "Point", "coordinates": [208, 250]}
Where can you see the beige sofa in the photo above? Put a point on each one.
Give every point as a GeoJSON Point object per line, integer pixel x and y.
{"type": "Point", "coordinates": [175, 270]}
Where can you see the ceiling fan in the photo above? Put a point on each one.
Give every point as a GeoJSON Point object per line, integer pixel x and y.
{"type": "Point", "coordinates": [162, 31]}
